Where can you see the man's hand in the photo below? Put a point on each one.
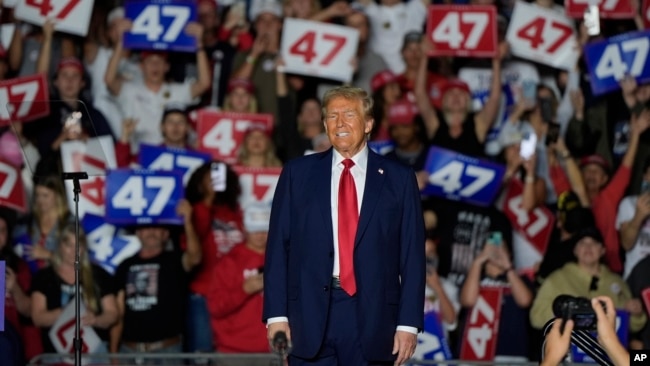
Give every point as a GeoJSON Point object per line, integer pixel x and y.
{"type": "Point", "coordinates": [274, 328]}
{"type": "Point", "coordinates": [404, 346]}
{"type": "Point", "coordinates": [557, 345]}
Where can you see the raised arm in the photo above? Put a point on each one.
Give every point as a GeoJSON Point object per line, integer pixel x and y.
{"type": "Point", "coordinates": [245, 71]}
{"type": "Point", "coordinates": [486, 117]}
{"type": "Point", "coordinates": [203, 83]}
{"type": "Point", "coordinates": [573, 171]}
{"type": "Point", "coordinates": [427, 111]}
{"type": "Point", "coordinates": [111, 78]}
{"type": "Point", "coordinates": [193, 254]}
{"type": "Point", "coordinates": [45, 54]}
{"type": "Point", "coordinates": [629, 231]}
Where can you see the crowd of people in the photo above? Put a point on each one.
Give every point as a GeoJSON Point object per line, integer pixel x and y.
{"type": "Point", "coordinates": [198, 286]}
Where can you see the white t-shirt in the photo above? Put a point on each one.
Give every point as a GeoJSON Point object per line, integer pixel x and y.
{"type": "Point", "coordinates": [451, 290]}
{"type": "Point", "coordinates": [641, 248]}
{"type": "Point", "coordinates": [103, 101]}
{"type": "Point", "coordinates": [389, 25]}
{"type": "Point", "coordinates": [147, 107]}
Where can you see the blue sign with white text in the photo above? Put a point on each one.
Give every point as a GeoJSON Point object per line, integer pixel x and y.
{"type": "Point", "coordinates": [143, 197]}
{"type": "Point", "coordinates": [432, 343]}
{"type": "Point", "coordinates": [462, 178]}
{"type": "Point", "coordinates": [166, 158]}
{"type": "Point", "coordinates": [382, 147]}
{"type": "Point", "coordinates": [160, 25]}
{"type": "Point", "coordinates": [107, 245]}
{"type": "Point", "coordinates": [2, 298]}
{"type": "Point", "coordinates": [612, 59]}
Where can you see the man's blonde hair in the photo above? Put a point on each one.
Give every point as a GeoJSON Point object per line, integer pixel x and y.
{"type": "Point", "coordinates": [349, 93]}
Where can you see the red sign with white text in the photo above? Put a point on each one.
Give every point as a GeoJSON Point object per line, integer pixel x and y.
{"type": "Point", "coordinates": [18, 98]}
{"type": "Point", "coordinates": [614, 9]}
{"type": "Point", "coordinates": [462, 30]}
{"type": "Point", "coordinates": [12, 191]}
{"type": "Point", "coordinates": [257, 184]}
{"type": "Point", "coordinates": [222, 133]}
{"type": "Point", "coordinates": [535, 226]}
{"type": "Point", "coordinates": [482, 326]}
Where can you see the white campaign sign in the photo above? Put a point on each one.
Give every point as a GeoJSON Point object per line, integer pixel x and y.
{"type": "Point", "coordinates": [93, 156]}
{"type": "Point", "coordinates": [543, 35]}
{"type": "Point", "coordinates": [319, 49]}
{"type": "Point", "coordinates": [62, 332]}
{"type": "Point", "coordinates": [71, 16]}
{"type": "Point", "coordinates": [6, 34]}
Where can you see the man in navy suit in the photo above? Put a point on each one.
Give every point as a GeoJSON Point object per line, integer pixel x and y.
{"type": "Point", "coordinates": [345, 270]}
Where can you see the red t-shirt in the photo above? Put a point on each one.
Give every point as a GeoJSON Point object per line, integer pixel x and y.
{"type": "Point", "coordinates": [219, 229]}
{"type": "Point", "coordinates": [234, 314]}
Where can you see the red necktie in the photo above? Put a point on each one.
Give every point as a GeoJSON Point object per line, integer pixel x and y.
{"type": "Point", "coordinates": [348, 219]}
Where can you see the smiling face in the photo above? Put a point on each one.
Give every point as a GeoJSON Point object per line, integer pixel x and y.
{"type": "Point", "coordinates": [346, 125]}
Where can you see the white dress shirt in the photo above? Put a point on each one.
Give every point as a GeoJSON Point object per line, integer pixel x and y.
{"type": "Point", "coordinates": [358, 172]}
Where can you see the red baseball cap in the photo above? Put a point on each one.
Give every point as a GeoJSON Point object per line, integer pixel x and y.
{"type": "Point", "coordinates": [402, 112]}
{"type": "Point", "coordinates": [595, 159]}
{"type": "Point", "coordinates": [435, 84]}
{"type": "Point", "coordinates": [70, 62]}
{"type": "Point", "coordinates": [241, 83]}
{"type": "Point", "coordinates": [454, 83]}
{"type": "Point", "coordinates": [381, 79]}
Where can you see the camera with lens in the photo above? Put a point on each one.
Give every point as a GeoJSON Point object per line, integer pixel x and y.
{"type": "Point", "coordinates": [577, 309]}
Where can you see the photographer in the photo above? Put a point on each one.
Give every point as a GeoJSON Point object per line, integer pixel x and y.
{"type": "Point", "coordinates": [557, 343]}
{"type": "Point", "coordinates": [586, 277]}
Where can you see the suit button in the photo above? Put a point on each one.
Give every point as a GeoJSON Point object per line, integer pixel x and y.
{"type": "Point", "coordinates": [326, 288]}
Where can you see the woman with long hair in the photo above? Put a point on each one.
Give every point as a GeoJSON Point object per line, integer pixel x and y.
{"type": "Point", "coordinates": [53, 289]}
{"type": "Point", "coordinates": [240, 96]}
{"type": "Point", "coordinates": [258, 150]}
{"type": "Point", "coordinates": [218, 222]}
{"type": "Point", "coordinates": [49, 216]}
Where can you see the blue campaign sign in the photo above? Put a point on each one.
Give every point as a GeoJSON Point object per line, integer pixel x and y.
{"type": "Point", "coordinates": [143, 197]}
{"type": "Point", "coordinates": [22, 245]}
{"type": "Point", "coordinates": [382, 147]}
{"type": "Point", "coordinates": [165, 158]}
{"type": "Point", "coordinates": [432, 343]}
{"type": "Point", "coordinates": [108, 246]}
{"type": "Point", "coordinates": [160, 25]}
{"type": "Point", "coordinates": [462, 178]}
{"type": "Point", "coordinates": [622, 331]}
{"type": "Point", "coordinates": [610, 60]}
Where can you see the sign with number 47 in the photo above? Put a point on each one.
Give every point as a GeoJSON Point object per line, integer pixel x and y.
{"type": "Point", "coordinates": [459, 30]}
{"type": "Point", "coordinates": [70, 16]}
{"type": "Point", "coordinates": [160, 24]}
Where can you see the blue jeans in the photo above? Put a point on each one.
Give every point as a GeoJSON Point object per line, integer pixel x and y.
{"type": "Point", "coordinates": [198, 334]}
{"type": "Point", "coordinates": [176, 348]}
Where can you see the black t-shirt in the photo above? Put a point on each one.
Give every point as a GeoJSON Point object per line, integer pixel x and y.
{"type": "Point", "coordinates": [466, 143]}
{"type": "Point", "coordinates": [155, 293]}
{"type": "Point", "coordinates": [59, 293]}
{"type": "Point", "coordinates": [463, 230]}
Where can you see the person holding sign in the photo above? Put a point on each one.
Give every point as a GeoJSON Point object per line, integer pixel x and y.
{"type": "Point", "coordinates": [53, 288]}
{"type": "Point", "coordinates": [142, 101]}
{"type": "Point", "coordinates": [493, 268]}
{"type": "Point", "coordinates": [454, 126]}
{"type": "Point", "coordinates": [346, 246]}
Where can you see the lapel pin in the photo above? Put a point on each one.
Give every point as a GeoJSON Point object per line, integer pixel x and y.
{"type": "Point", "coordinates": [381, 171]}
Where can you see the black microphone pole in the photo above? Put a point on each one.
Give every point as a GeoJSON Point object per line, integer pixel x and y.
{"type": "Point", "coordinates": [75, 177]}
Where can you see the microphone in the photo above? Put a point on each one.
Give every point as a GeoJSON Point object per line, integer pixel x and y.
{"type": "Point", "coordinates": [281, 343]}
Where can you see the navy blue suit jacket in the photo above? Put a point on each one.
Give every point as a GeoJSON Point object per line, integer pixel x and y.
{"type": "Point", "coordinates": [389, 259]}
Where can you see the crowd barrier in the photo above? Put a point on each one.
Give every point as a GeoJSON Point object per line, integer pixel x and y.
{"type": "Point", "coordinates": [220, 359]}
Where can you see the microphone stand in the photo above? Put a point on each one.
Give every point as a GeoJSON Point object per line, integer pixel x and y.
{"type": "Point", "coordinates": [75, 177]}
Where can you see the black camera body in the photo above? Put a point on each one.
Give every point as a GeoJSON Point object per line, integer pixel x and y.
{"type": "Point", "coordinates": [577, 309]}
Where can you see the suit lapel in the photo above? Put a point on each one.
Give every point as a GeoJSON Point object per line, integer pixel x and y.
{"type": "Point", "coordinates": [320, 180]}
{"type": "Point", "coordinates": [374, 182]}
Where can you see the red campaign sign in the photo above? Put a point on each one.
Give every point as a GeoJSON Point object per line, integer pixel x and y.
{"type": "Point", "coordinates": [615, 9]}
{"type": "Point", "coordinates": [257, 184]}
{"type": "Point", "coordinates": [64, 338]}
{"type": "Point", "coordinates": [20, 94]}
{"type": "Point", "coordinates": [93, 188]}
{"type": "Point", "coordinates": [12, 190]}
{"type": "Point", "coordinates": [462, 30]}
{"type": "Point", "coordinates": [482, 326]}
{"type": "Point", "coordinates": [645, 295]}
{"type": "Point", "coordinates": [645, 12]}
{"type": "Point", "coordinates": [536, 226]}
{"type": "Point", "coordinates": [222, 133]}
